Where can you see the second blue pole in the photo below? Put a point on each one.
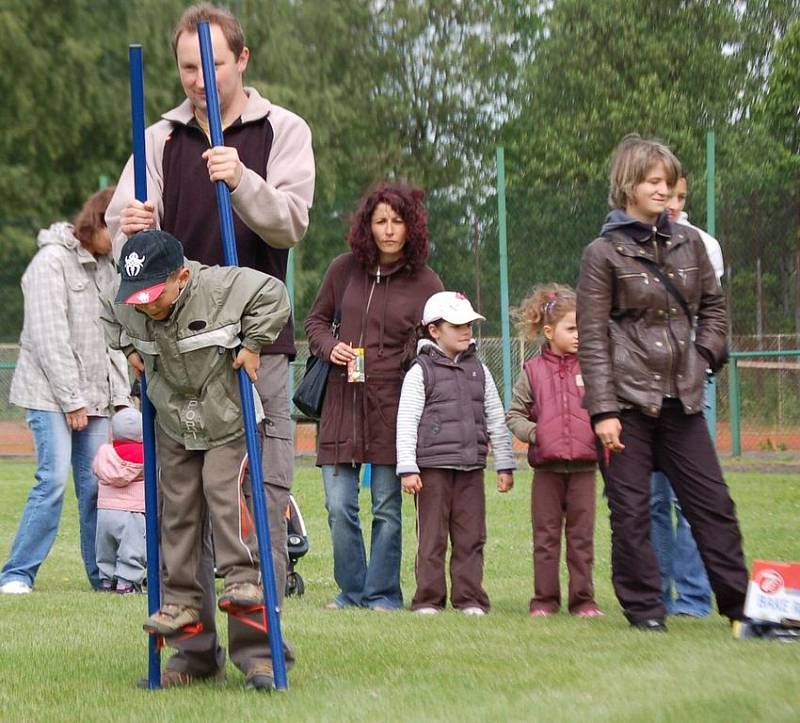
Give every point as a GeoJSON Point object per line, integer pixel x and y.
{"type": "Point", "coordinates": [245, 387]}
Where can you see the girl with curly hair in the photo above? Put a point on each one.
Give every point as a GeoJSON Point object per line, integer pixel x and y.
{"type": "Point", "coordinates": [368, 305]}
{"type": "Point", "coordinates": [546, 413]}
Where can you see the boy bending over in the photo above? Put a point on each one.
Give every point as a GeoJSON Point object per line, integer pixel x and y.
{"type": "Point", "coordinates": [181, 323]}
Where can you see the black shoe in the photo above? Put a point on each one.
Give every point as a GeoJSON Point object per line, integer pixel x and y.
{"type": "Point", "coordinates": [746, 629]}
{"type": "Point", "coordinates": [651, 625]}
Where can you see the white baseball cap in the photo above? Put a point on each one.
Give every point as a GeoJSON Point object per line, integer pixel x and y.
{"type": "Point", "coordinates": [450, 306]}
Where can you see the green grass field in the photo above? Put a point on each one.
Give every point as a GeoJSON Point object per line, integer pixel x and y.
{"type": "Point", "coordinates": [68, 654]}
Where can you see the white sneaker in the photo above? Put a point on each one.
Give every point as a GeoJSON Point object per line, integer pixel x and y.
{"type": "Point", "coordinates": [473, 611]}
{"type": "Point", "coordinates": [15, 587]}
{"type": "Point", "coordinates": [426, 611]}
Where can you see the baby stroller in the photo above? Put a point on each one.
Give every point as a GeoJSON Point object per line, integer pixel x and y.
{"type": "Point", "coordinates": [296, 547]}
{"type": "Point", "coordinates": [296, 540]}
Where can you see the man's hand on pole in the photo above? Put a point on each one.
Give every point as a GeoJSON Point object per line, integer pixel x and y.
{"type": "Point", "coordinates": [137, 216]}
{"type": "Point", "coordinates": [224, 165]}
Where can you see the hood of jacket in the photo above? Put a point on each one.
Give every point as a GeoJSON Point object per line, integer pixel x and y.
{"type": "Point", "coordinates": [111, 469]}
{"type": "Point", "coordinates": [618, 219]}
{"type": "Point", "coordinates": [58, 234]}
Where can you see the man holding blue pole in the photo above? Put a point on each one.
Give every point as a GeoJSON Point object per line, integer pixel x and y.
{"type": "Point", "coordinates": [268, 165]}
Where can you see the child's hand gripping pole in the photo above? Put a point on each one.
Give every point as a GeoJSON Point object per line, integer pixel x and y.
{"type": "Point", "coordinates": [148, 414]}
{"type": "Point", "coordinates": [245, 388]}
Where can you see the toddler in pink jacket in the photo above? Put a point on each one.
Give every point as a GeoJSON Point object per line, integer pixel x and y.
{"type": "Point", "coordinates": [120, 542]}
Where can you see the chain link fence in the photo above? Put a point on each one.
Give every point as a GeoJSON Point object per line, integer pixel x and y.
{"type": "Point", "coordinates": [769, 393]}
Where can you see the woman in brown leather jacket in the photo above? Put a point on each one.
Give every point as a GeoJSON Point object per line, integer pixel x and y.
{"type": "Point", "coordinates": [651, 320]}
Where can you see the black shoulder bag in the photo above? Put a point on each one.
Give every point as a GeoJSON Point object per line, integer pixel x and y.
{"type": "Point", "coordinates": [310, 392]}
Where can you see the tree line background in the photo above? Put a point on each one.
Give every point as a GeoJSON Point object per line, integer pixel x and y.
{"type": "Point", "coordinates": [424, 90]}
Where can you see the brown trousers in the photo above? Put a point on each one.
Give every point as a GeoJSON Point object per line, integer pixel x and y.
{"type": "Point", "coordinates": [202, 654]}
{"type": "Point", "coordinates": [451, 503]}
{"type": "Point", "coordinates": [563, 499]}
{"type": "Point", "coordinates": [679, 445]}
{"type": "Point", "coordinates": [194, 485]}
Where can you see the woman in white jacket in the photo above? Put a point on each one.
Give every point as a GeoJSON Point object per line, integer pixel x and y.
{"type": "Point", "coordinates": [68, 381]}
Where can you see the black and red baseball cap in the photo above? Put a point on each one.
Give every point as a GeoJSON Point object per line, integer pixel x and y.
{"type": "Point", "coordinates": [147, 260]}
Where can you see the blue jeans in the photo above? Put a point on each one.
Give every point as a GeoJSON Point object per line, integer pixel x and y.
{"type": "Point", "coordinates": [57, 448]}
{"type": "Point", "coordinates": [678, 557]}
{"type": "Point", "coordinates": [377, 583]}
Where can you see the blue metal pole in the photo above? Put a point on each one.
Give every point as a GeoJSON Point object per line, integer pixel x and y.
{"type": "Point", "coordinates": [148, 413]}
{"type": "Point", "coordinates": [245, 387]}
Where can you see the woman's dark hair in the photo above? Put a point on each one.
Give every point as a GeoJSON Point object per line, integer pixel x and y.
{"type": "Point", "coordinates": [91, 218]}
{"type": "Point", "coordinates": [408, 203]}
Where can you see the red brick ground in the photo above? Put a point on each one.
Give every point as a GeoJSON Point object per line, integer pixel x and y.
{"type": "Point", "coordinates": [15, 439]}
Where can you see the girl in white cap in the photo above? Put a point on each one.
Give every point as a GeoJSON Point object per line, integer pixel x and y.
{"type": "Point", "coordinates": [449, 411]}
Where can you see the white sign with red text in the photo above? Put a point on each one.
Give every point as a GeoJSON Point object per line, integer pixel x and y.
{"type": "Point", "coordinates": [773, 594]}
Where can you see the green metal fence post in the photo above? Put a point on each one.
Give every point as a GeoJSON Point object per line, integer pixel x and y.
{"type": "Point", "coordinates": [504, 311]}
{"type": "Point", "coordinates": [735, 407]}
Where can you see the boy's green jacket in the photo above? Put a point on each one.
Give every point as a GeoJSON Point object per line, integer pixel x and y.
{"type": "Point", "coordinates": [188, 357]}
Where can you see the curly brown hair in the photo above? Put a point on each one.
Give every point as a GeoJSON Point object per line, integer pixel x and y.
{"type": "Point", "coordinates": [405, 200]}
{"type": "Point", "coordinates": [546, 304]}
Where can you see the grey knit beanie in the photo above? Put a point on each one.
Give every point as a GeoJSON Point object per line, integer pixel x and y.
{"type": "Point", "coordinates": [127, 424]}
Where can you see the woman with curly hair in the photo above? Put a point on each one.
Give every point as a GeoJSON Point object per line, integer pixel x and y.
{"type": "Point", "coordinates": [368, 305]}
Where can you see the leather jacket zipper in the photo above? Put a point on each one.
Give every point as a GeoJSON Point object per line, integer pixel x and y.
{"type": "Point", "coordinates": [640, 274]}
{"type": "Point", "coordinates": [669, 361]}
{"type": "Point", "coordinates": [655, 245]}
{"type": "Point", "coordinates": [361, 344]}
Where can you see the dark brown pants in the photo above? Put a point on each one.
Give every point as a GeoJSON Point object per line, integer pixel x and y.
{"type": "Point", "coordinates": [678, 445]}
{"type": "Point", "coordinates": [451, 503]}
{"type": "Point", "coordinates": [560, 499]}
